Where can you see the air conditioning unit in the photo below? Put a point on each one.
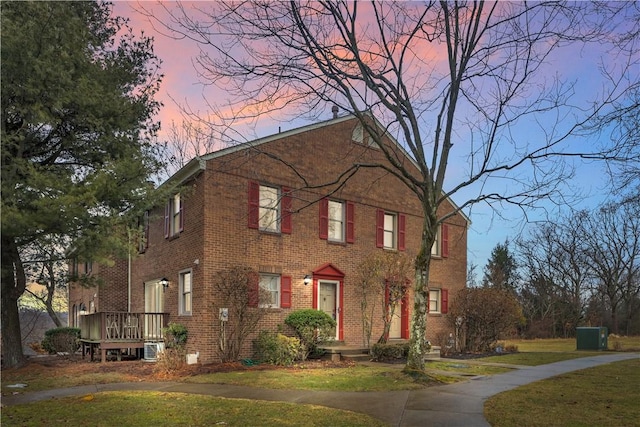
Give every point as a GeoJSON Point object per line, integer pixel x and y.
{"type": "Point", "coordinates": [152, 349]}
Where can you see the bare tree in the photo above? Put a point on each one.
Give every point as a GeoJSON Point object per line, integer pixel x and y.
{"type": "Point", "coordinates": [451, 81]}
{"type": "Point", "coordinates": [556, 275]}
{"type": "Point", "coordinates": [371, 293]}
{"type": "Point", "coordinates": [612, 245]}
{"type": "Point", "coordinates": [45, 263]}
{"type": "Point", "coordinates": [239, 296]}
{"type": "Point", "coordinates": [384, 279]}
{"type": "Point", "coordinates": [187, 140]}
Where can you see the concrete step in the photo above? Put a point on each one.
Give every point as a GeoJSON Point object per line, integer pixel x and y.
{"type": "Point", "coordinates": [434, 353]}
{"type": "Point", "coordinates": [357, 357]}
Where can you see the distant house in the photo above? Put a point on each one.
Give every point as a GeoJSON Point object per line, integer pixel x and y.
{"type": "Point", "coordinates": [248, 205]}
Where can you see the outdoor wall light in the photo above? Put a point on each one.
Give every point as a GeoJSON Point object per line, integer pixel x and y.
{"type": "Point", "coordinates": [307, 279]}
{"type": "Point", "coordinates": [164, 282]}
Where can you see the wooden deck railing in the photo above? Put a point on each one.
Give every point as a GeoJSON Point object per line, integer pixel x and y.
{"type": "Point", "coordinates": [116, 326]}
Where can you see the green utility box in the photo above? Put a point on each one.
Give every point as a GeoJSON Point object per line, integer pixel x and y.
{"type": "Point", "coordinates": [591, 338]}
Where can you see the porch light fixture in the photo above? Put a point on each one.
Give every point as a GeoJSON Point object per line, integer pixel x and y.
{"type": "Point", "coordinates": [307, 279]}
{"type": "Point", "coordinates": [164, 282]}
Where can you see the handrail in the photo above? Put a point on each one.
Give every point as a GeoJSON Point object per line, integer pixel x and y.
{"type": "Point", "coordinates": [122, 326]}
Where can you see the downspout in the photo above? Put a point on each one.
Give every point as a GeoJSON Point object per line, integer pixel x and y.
{"type": "Point", "coordinates": [129, 275]}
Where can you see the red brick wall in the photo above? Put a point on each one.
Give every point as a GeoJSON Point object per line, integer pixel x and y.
{"type": "Point", "coordinates": [217, 235]}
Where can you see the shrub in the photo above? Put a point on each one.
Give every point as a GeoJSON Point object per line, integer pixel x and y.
{"type": "Point", "coordinates": [311, 327]}
{"type": "Point", "coordinates": [175, 335]}
{"type": "Point", "coordinates": [61, 340]}
{"type": "Point", "coordinates": [171, 359]}
{"type": "Point", "coordinates": [487, 315]}
{"type": "Point", "coordinates": [277, 349]}
{"type": "Point", "coordinates": [389, 352]}
{"type": "Point", "coordinates": [446, 341]}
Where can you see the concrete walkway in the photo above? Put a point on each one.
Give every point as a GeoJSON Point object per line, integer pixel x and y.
{"type": "Point", "coordinates": [459, 404]}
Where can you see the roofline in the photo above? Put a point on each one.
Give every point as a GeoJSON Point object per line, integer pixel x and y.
{"type": "Point", "coordinates": [198, 163]}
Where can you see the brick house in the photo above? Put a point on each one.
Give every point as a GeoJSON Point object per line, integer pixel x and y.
{"type": "Point", "coordinates": [256, 205]}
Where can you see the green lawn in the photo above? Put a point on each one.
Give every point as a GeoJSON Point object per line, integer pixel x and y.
{"type": "Point", "coordinates": [569, 344]}
{"type": "Point", "coordinates": [356, 378]}
{"type": "Point", "coordinates": [607, 395]}
{"type": "Point", "coordinates": [175, 409]}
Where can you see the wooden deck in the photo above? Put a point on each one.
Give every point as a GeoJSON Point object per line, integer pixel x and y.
{"type": "Point", "coordinates": [113, 330]}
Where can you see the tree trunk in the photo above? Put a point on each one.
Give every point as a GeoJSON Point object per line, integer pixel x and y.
{"type": "Point", "coordinates": [13, 285]}
{"type": "Point", "coordinates": [51, 291]}
{"type": "Point", "coordinates": [418, 341]}
{"type": "Point", "coordinates": [54, 316]}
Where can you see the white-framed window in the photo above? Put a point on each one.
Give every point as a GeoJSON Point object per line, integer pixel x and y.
{"type": "Point", "coordinates": [435, 301]}
{"type": "Point", "coordinates": [435, 249]}
{"type": "Point", "coordinates": [173, 216]}
{"type": "Point", "coordinates": [186, 295]}
{"type": "Point", "coordinates": [336, 221]}
{"type": "Point", "coordinates": [269, 290]}
{"type": "Point", "coordinates": [390, 231]}
{"type": "Point", "coordinates": [144, 225]}
{"type": "Point", "coordinates": [269, 210]}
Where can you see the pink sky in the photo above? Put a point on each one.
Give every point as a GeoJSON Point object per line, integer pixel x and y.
{"type": "Point", "coordinates": [181, 84]}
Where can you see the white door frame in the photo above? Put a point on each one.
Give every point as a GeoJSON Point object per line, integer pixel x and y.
{"type": "Point", "coordinates": [338, 302]}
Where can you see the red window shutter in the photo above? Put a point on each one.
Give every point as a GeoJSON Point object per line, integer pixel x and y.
{"type": "Point", "coordinates": [351, 230]}
{"type": "Point", "coordinates": [253, 293]}
{"type": "Point", "coordinates": [254, 204]}
{"type": "Point", "coordinates": [386, 293]}
{"type": "Point", "coordinates": [404, 318]}
{"type": "Point", "coordinates": [286, 204]}
{"type": "Point", "coordinates": [181, 215]}
{"type": "Point", "coordinates": [444, 295]}
{"type": "Point", "coordinates": [314, 297]}
{"type": "Point", "coordinates": [285, 292]}
{"type": "Point", "coordinates": [340, 313]}
{"type": "Point", "coordinates": [324, 219]}
{"type": "Point", "coordinates": [167, 219]}
{"type": "Point", "coordinates": [444, 234]}
{"type": "Point", "coordinates": [379, 228]}
{"type": "Point", "coordinates": [402, 219]}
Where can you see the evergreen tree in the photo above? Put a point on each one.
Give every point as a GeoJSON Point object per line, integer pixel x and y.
{"type": "Point", "coordinates": [77, 136]}
{"type": "Point", "coordinates": [501, 269]}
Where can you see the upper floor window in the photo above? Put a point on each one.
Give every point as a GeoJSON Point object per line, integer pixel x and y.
{"type": "Point", "coordinates": [440, 246]}
{"type": "Point", "coordinates": [269, 213]}
{"type": "Point", "coordinates": [74, 267]}
{"type": "Point", "coordinates": [337, 221]}
{"type": "Point", "coordinates": [269, 208]}
{"type": "Point", "coordinates": [173, 216]}
{"type": "Point", "coordinates": [143, 242]}
{"type": "Point", "coordinates": [390, 230]}
{"type": "Point", "coordinates": [186, 298]}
